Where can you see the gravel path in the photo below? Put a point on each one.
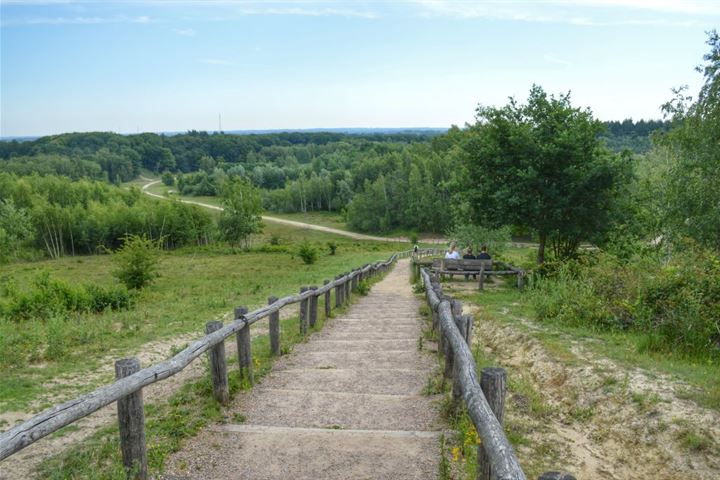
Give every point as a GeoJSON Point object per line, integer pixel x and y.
{"type": "Point", "coordinates": [347, 404]}
{"type": "Point", "coordinates": [293, 223]}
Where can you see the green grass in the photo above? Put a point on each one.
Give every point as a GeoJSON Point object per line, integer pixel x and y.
{"type": "Point", "coordinates": [325, 219]}
{"type": "Point", "coordinates": [169, 423]}
{"type": "Point", "coordinates": [196, 285]}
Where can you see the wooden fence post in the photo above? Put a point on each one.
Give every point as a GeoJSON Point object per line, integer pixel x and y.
{"type": "Point", "coordinates": [304, 313]}
{"type": "Point", "coordinates": [493, 382]}
{"type": "Point", "coordinates": [313, 306]}
{"type": "Point", "coordinates": [218, 365]}
{"type": "Point", "coordinates": [131, 418]}
{"type": "Point", "coordinates": [274, 328]}
{"type": "Point", "coordinates": [327, 300]}
{"type": "Point", "coordinates": [346, 285]}
{"type": "Point", "coordinates": [520, 280]}
{"type": "Point", "coordinates": [338, 293]}
{"type": "Point", "coordinates": [456, 307]}
{"type": "Point", "coordinates": [243, 346]}
{"type": "Point", "coordinates": [355, 280]}
{"type": "Point", "coordinates": [481, 278]}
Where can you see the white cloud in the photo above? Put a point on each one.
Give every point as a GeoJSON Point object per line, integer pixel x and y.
{"type": "Point", "coordinates": [185, 32]}
{"type": "Point", "coordinates": [550, 58]}
{"type": "Point", "coordinates": [86, 20]}
{"type": "Point", "coordinates": [309, 12]}
{"type": "Point", "coordinates": [216, 61]}
{"type": "Point", "coordinates": [578, 12]}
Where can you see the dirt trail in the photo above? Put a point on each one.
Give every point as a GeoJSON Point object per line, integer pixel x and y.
{"type": "Point", "coordinates": [293, 223]}
{"type": "Point", "coordinates": [598, 419]}
{"type": "Point", "coordinates": [345, 404]}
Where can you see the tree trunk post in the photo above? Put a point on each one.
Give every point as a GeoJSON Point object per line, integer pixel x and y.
{"type": "Point", "coordinates": [304, 312]}
{"type": "Point", "coordinates": [327, 300]}
{"type": "Point", "coordinates": [493, 382]}
{"type": "Point", "coordinates": [131, 418]}
{"type": "Point", "coordinates": [274, 328]}
{"type": "Point", "coordinates": [481, 279]}
{"type": "Point", "coordinates": [313, 306]}
{"type": "Point", "coordinates": [347, 284]}
{"type": "Point", "coordinates": [218, 365]}
{"type": "Point", "coordinates": [243, 346]}
{"type": "Point", "coordinates": [338, 293]}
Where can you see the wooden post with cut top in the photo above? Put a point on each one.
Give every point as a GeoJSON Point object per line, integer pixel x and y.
{"type": "Point", "coordinates": [493, 382]}
{"type": "Point", "coordinates": [218, 365]}
{"type": "Point", "coordinates": [313, 307]}
{"type": "Point", "coordinates": [131, 418]}
{"type": "Point", "coordinates": [244, 347]}
{"type": "Point", "coordinates": [327, 300]}
{"type": "Point", "coordinates": [274, 328]}
{"type": "Point", "coordinates": [304, 312]}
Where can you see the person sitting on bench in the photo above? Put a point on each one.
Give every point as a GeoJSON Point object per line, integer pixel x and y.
{"type": "Point", "coordinates": [483, 255]}
{"type": "Point", "coordinates": [469, 256]}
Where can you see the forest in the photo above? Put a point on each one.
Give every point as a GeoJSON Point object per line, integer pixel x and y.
{"type": "Point", "coordinates": [544, 169]}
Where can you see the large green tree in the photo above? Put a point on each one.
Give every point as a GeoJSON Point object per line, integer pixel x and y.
{"type": "Point", "coordinates": [540, 165]}
{"type": "Point", "coordinates": [692, 206]}
{"type": "Point", "coordinates": [242, 214]}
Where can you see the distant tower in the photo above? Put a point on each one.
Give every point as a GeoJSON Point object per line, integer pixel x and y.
{"type": "Point", "coordinates": [219, 123]}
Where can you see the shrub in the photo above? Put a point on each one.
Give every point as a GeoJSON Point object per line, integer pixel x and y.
{"type": "Point", "coordinates": [675, 306]}
{"type": "Point", "coordinates": [333, 247]}
{"type": "Point", "coordinates": [414, 238]}
{"type": "Point", "coordinates": [168, 179]}
{"type": "Point", "coordinates": [308, 253]}
{"type": "Point", "coordinates": [137, 261]}
{"type": "Point", "coordinates": [274, 240]}
{"type": "Point", "coordinates": [49, 298]}
{"type": "Point", "coordinates": [363, 287]}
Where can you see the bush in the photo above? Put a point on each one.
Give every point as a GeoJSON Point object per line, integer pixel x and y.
{"type": "Point", "coordinates": [137, 260]}
{"type": "Point", "coordinates": [363, 287]}
{"type": "Point", "coordinates": [168, 179]}
{"type": "Point", "coordinates": [675, 306]}
{"type": "Point", "coordinates": [414, 238]}
{"type": "Point", "coordinates": [308, 253]}
{"type": "Point", "coordinates": [333, 247]}
{"type": "Point", "coordinates": [50, 298]}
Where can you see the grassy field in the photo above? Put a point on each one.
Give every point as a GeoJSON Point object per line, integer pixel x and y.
{"type": "Point", "coordinates": [196, 285]}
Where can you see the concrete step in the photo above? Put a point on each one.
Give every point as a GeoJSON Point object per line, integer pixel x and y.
{"type": "Point", "coordinates": [267, 453]}
{"type": "Point", "coordinates": [346, 410]}
{"type": "Point", "coordinates": [358, 360]}
{"type": "Point", "coordinates": [342, 345]}
{"type": "Point", "coordinates": [382, 381]}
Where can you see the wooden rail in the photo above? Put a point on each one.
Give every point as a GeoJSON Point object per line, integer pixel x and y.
{"type": "Point", "coordinates": [127, 389]}
{"type": "Point", "coordinates": [484, 398]}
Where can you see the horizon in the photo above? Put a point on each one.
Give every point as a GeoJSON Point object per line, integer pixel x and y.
{"type": "Point", "coordinates": [175, 66]}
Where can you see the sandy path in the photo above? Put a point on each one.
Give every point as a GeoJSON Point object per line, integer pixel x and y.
{"type": "Point", "coordinates": [602, 420]}
{"type": "Point", "coordinates": [346, 404]}
{"type": "Point", "coordinates": [293, 223]}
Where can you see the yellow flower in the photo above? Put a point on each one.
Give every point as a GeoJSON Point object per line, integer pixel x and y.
{"type": "Point", "coordinates": [456, 454]}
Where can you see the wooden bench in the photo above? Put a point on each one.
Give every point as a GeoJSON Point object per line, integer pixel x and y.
{"type": "Point", "coordinates": [482, 268]}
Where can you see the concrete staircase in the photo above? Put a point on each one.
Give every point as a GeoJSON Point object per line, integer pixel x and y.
{"type": "Point", "coordinates": [347, 404]}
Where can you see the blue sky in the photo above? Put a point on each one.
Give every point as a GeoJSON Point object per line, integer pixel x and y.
{"type": "Point", "coordinates": [174, 65]}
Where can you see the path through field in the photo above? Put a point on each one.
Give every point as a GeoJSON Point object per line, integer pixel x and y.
{"type": "Point", "coordinates": [293, 223]}
{"type": "Point", "coordinates": [347, 404]}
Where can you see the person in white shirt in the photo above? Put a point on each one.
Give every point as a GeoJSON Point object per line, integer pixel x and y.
{"type": "Point", "coordinates": [452, 253]}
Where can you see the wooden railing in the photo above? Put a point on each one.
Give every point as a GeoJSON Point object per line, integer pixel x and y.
{"type": "Point", "coordinates": [130, 379]}
{"type": "Point", "coordinates": [483, 398]}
